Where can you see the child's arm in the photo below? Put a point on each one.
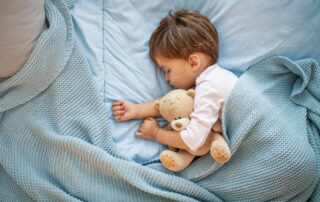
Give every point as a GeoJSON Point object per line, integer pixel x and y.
{"type": "Point", "coordinates": [150, 129]}
{"type": "Point", "coordinates": [124, 110]}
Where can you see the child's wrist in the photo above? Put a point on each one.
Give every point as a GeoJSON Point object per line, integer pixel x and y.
{"type": "Point", "coordinates": [155, 133]}
{"type": "Point", "coordinates": [136, 111]}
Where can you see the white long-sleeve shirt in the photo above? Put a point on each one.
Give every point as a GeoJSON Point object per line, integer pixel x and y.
{"type": "Point", "coordinates": [212, 88]}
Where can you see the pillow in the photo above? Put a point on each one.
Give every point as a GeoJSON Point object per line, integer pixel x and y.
{"type": "Point", "coordinates": [21, 22]}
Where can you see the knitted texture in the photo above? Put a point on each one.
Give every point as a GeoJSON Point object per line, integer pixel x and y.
{"type": "Point", "coordinates": [56, 143]}
{"type": "Point", "coordinates": [272, 120]}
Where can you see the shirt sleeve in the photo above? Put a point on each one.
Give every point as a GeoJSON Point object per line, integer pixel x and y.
{"type": "Point", "coordinates": [207, 104]}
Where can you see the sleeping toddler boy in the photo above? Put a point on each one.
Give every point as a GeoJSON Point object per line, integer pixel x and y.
{"type": "Point", "coordinates": [185, 45]}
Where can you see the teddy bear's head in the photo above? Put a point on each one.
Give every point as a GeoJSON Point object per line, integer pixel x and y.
{"type": "Point", "coordinates": [176, 107]}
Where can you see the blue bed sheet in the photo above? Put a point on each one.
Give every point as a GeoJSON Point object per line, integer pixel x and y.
{"type": "Point", "coordinates": [114, 35]}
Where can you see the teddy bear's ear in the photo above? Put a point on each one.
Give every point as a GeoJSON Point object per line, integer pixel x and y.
{"type": "Point", "coordinates": [191, 92]}
{"type": "Point", "coordinates": [157, 105]}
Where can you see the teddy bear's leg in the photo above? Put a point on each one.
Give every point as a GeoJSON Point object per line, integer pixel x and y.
{"type": "Point", "coordinates": [219, 148]}
{"type": "Point", "coordinates": [175, 161]}
{"type": "Point", "coordinates": [217, 127]}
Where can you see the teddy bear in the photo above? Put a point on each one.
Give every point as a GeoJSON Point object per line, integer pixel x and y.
{"type": "Point", "coordinates": [176, 107]}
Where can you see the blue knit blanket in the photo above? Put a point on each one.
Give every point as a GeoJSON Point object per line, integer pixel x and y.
{"type": "Point", "coordinates": [56, 143]}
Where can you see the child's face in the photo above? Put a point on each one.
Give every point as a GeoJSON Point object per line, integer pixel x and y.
{"type": "Point", "coordinates": [178, 72]}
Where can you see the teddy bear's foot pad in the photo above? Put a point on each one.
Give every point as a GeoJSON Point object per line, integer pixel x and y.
{"type": "Point", "coordinates": [175, 161]}
{"type": "Point", "coordinates": [220, 152]}
{"type": "Point", "coordinates": [167, 161]}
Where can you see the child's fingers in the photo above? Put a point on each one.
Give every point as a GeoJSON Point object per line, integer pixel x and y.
{"type": "Point", "coordinates": [118, 113]}
{"type": "Point", "coordinates": [117, 108]}
{"type": "Point", "coordinates": [116, 103]}
{"type": "Point", "coordinates": [138, 134]}
{"type": "Point", "coordinates": [118, 118]}
{"type": "Point", "coordinates": [150, 119]}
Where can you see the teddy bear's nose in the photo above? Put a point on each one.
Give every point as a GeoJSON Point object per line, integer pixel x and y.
{"type": "Point", "coordinates": [178, 125]}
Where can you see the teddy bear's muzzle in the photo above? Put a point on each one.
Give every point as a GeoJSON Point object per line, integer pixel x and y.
{"type": "Point", "coordinates": [180, 124]}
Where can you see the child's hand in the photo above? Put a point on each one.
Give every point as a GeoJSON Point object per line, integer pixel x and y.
{"type": "Point", "coordinates": [148, 129]}
{"type": "Point", "coordinates": [123, 110]}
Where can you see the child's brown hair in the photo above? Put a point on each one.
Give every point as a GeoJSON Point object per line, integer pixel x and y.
{"type": "Point", "coordinates": [182, 33]}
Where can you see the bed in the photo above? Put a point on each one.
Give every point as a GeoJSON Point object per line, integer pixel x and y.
{"type": "Point", "coordinates": [115, 38]}
{"type": "Point", "coordinates": [59, 141]}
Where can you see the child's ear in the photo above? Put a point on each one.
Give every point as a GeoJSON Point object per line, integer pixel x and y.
{"type": "Point", "coordinates": [194, 61]}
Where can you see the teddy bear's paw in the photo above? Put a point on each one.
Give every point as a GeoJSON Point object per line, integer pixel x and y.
{"type": "Point", "coordinates": [220, 152]}
{"type": "Point", "coordinates": [175, 161]}
{"type": "Point", "coordinates": [167, 161]}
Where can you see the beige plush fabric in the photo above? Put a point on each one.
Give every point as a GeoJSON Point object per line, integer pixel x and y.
{"type": "Point", "coordinates": [21, 22]}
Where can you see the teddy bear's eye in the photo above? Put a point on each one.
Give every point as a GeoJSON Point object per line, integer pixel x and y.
{"type": "Point", "coordinates": [179, 117]}
{"type": "Point", "coordinates": [175, 119]}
